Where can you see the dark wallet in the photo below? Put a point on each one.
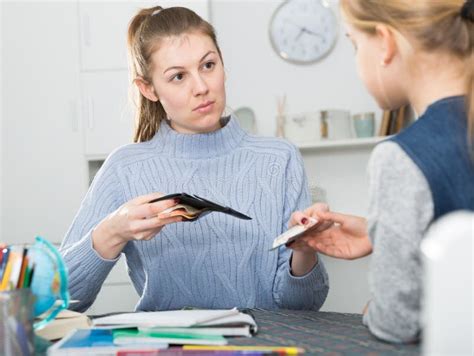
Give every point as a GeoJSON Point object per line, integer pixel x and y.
{"type": "Point", "coordinates": [191, 207]}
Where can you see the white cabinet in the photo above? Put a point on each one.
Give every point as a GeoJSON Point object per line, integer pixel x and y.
{"type": "Point", "coordinates": [117, 293]}
{"type": "Point", "coordinates": [107, 112]}
{"type": "Point", "coordinates": [44, 172]}
{"type": "Point", "coordinates": [103, 29]}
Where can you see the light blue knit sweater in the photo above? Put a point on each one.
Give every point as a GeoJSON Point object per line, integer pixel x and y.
{"type": "Point", "coordinates": [217, 261]}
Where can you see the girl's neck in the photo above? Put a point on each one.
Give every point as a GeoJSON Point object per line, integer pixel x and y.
{"type": "Point", "coordinates": [437, 78]}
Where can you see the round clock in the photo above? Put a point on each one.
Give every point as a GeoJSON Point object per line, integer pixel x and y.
{"type": "Point", "coordinates": [303, 31]}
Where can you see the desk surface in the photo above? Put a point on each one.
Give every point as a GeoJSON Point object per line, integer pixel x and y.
{"type": "Point", "coordinates": [316, 332]}
{"type": "Point", "coordinates": [320, 332]}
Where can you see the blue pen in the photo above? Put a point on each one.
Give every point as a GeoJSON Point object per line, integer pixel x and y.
{"type": "Point", "coordinates": [6, 254]}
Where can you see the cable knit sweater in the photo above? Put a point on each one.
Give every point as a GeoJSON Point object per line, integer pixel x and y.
{"type": "Point", "coordinates": [217, 261]}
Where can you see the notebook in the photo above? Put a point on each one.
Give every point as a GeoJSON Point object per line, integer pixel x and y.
{"type": "Point", "coordinates": [95, 342]}
{"type": "Point", "coordinates": [234, 325]}
{"type": "Point", "coordinates": [137, 337]}
{"type": "Point", "coordinates": [63, 324]}
{"type": "Point", "coordinates": [172, 318]}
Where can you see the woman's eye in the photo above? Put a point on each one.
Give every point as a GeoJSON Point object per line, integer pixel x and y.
{"type": "Point", "coordinates": [209, 65]}
{"type": "Point", "coordinates": [177, 77]}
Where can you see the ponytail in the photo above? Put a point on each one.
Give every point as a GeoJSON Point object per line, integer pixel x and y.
{"type": "Point", "coordinates": [470, 100]}
{"type": "Point", "coordinates": [149, 114]}
{"type": "Point", "coordinates": [467, 14]}
{"type": "Point", "coordinates": [470, 89]}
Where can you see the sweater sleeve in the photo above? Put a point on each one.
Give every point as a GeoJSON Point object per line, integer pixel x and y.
{"type": "Point", "coordinates": [308, 291]}
{"type": "Point", "coordinates": [87, 270]}
{"type": "Point", "coordinates": [400, 210]}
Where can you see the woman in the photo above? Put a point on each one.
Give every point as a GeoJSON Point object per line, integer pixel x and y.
{"type": "Point", "coordinates": [419, 53]}
{"type": "Point", "coordinates": [183, 144]}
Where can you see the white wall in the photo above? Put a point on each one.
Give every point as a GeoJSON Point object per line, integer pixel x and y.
{"type": "Point", "coordinates": [256, 76]}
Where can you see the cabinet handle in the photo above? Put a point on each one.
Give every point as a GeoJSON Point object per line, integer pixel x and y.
{"type": "Point", "coordinates": [90, 113]}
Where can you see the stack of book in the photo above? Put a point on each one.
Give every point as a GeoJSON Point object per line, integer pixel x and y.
{"type": "Point", "coordinates": [144, 331]}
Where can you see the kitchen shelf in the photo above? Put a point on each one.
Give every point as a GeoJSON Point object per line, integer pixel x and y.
{"type": "Point", "coordinates": [353, 142]}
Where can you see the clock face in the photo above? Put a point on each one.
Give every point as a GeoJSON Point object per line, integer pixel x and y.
{"type": "Point", "coordinates": [303, 31]}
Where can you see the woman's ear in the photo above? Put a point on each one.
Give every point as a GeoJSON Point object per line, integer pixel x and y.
{"type": "Point", "coordinates": [146, 89]}
{"type": "Point", "coordinates": [388, 43]}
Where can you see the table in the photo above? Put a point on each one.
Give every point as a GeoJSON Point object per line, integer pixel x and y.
{"type": "Point", "coordinates": [320, 333]}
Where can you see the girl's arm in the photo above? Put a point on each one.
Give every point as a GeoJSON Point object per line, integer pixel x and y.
{"type": "Point", "coordinates": [401, 208]}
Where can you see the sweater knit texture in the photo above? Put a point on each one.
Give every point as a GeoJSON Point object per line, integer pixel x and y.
{"type": "Point", "coordinates": [218, 261]}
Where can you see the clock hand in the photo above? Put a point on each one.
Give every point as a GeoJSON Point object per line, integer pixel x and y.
{"type": "Point", "coordinates": [299, 34]}
{"type": "Point", "coordinates": [309, 32]}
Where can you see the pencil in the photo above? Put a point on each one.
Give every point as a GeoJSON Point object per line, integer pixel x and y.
{"type": "Point", "coordinates": [280, 349]}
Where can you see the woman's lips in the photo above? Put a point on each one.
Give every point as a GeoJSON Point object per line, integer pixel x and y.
{"type": "Point", "coordinates": [205, 108]}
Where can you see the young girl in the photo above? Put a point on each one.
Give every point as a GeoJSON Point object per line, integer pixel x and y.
{"type": "Point", "coordinates": [183, 144]}
{"type": "Point", "coordinates": [418, 53]}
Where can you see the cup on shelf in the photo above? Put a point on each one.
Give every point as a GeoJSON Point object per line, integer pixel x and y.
{"type": "Point", "coordinates": [364, 124]}
{"type": "Point", "coordinates": [304, 127]}
{"type": "Point", "coordinates": [336, 124]}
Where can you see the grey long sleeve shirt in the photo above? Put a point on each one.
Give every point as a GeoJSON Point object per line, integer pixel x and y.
{"type": "Point", "coordinates": [400, 211]}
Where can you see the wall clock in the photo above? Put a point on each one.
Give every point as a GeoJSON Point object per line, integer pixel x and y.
{"type": "Point", "coordinates": [303, 31]}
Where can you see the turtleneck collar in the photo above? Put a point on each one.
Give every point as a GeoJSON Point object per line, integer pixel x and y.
{"type": "Point", "coordinates": [205, 145]}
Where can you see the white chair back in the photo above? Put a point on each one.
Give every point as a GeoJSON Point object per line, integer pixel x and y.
{"type": "Point", "coordinates": [448, 303]}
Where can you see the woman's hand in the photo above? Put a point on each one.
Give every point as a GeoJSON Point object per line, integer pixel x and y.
{"type": "Point", "coordinates": [135, 220]}
{"type": "Point", "coordinates": [304, 258]}
{"type": "Point", "coordinates": [347, 239]}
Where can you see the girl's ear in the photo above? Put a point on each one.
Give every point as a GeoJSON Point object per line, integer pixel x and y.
{"type": "Point", "coordinates": [146, 89]}
{"type": "Point", "coordinates": [388, 43]}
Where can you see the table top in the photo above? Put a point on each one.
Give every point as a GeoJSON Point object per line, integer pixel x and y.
{"type": "Point", "coordinates": [320, 333]}
{"type": "Point", "coordinates": [316, 332]}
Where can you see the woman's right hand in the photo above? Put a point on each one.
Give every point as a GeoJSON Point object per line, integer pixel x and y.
{"type": "Point", "coordinates": [135, 220]}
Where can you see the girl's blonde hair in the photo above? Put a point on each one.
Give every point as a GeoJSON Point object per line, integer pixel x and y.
{"type": "Point", "coordinates": [436, 25]}
{"type": "Point", "coordinates": [145, 31]}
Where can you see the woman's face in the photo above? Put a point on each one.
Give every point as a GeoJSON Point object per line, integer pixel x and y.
{"type": "Point", "coordinates": [188, 79]}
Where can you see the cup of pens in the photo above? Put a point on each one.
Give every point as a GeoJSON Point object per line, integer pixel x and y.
{"type": "Point", "coordinates": [33, 284]}
{"type": "Point", "coordinates": [16, 322]}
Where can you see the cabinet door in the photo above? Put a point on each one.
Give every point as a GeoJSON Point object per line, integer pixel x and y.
{"type": "Point", "coordinates": [44, 176]}
{"type": "Point", "coordinates": [103, 29]}
{"type": "Point", "coordinates": [107, 112]}
{"type": "Point", "coordinates": [114, 298]}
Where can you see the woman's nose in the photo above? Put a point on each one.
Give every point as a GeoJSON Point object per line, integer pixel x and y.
{"type": "Point", "coordinates": [200, 86]}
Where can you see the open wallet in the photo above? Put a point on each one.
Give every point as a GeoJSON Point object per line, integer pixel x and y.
{"type": "Point", "coordinates": [192, 207]}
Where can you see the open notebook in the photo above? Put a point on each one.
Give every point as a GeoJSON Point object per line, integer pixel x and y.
{"type": "Point", "coordinates": [225, 322]}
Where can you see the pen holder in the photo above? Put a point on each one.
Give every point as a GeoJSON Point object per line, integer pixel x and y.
{"type": "Point", "coordinates": [16, 322]}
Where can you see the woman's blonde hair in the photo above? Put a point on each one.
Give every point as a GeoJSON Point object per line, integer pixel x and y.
{"type": "Point", "coordinates": [145, 31]}
{"type": "Point", "coordinates": [436, 25]}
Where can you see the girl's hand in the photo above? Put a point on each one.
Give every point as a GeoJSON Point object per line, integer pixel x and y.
{"type": "Point", "coordinates": [304, 218]}
{"type": "Point", "coordinates": [135, 220]}
{"type": "Point", "coordinates": [347, 239]}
